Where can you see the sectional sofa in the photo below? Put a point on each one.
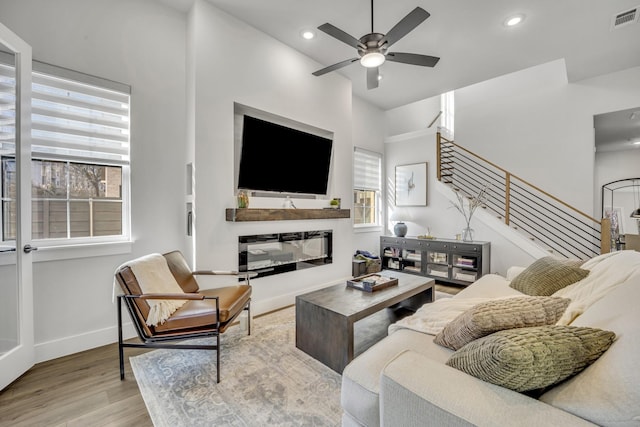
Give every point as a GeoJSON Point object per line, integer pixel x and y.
{"type": "Point", "coordinates": [407, 379]}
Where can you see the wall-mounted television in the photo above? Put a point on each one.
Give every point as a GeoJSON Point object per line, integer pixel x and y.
{"type": "Point", "coordinates": [275, 158]}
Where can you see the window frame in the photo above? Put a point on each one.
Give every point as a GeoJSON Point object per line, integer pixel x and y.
{"type": "Point", "coordinates": [359, 185]}
{"type": "Point", "coordinates": [76, 247]}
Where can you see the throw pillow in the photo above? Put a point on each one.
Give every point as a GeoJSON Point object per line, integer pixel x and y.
{"type": "Point", "coordinates": [547, 275]}
{"type": "Point", "coordinates": [497, 315]}
{"type": "Point", "coordinates": [532, 358]}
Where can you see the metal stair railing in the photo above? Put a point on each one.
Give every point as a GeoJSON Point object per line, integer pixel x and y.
{"type": "Point", "coordinates": [540, 216]}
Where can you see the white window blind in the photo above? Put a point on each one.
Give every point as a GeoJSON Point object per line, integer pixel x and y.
{"type": "Point", "coordinates": [71, 119]}
{"type": "Point", "coordinates": [367, 170]}
{"type": "Point", "coordinates": [79, 121]}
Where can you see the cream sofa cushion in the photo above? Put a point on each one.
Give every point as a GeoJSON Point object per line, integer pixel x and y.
{"type": "Point", "coordinates": [608, 392]}
{"type": "Point", "coordinates": [361, 378]}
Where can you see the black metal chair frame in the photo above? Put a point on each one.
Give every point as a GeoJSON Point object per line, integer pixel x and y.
{"type": "Point", "coordinates": [160, 341]}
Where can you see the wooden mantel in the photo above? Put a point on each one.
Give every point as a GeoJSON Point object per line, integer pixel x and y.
{"type": "Point", "coordinates": [241, 214]}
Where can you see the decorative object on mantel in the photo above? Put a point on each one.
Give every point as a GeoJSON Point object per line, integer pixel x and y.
{"type": "Point", "coordinates": [468, 209]}
{"type": "Point", "coordinates": [288, 203]}
{"type": "Point", "coordinates": [335, 203]}
{"type": "Point", "coordinates": [411, 185]}
{"type": "Point", "coordinates": [243, 199]}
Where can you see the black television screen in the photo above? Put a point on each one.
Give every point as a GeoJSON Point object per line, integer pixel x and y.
{"type": "Point", "coordinates": [277, 158]}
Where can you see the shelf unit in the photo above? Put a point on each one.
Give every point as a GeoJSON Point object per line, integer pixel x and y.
{"type": "Point", "coordinates": [447, 261]}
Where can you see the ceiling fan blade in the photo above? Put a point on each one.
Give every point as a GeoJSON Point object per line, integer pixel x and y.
{"type": "Point", "coordinates": [405, 26]}
{"type": "Point", "coordinates": [341, 35]}
{"type": "Point", "coordinates": [413, 59]}
{"type": "Point", "coordinates": [372, 78]}
{"type": "Point", "coordinates": [334, 66]}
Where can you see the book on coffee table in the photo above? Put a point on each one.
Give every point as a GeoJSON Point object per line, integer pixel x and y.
{"type": "Point", "coordinates": [372, 282]}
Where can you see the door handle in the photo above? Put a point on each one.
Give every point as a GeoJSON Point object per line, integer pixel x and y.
{"type": "Point", "coordinates": [28, 249]}
{"type": "Point", "coordinates": [7, 250]}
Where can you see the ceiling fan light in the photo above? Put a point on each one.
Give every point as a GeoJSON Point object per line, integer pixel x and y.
{"type": "Point", "coordinates": [372, 59]}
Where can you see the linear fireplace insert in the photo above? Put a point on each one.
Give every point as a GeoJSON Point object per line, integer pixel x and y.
{"type": "Point", "coordinates": [276, 253]}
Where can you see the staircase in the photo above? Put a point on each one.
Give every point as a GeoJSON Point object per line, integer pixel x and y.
{"type": "Point", "coordinates": [539, 216]}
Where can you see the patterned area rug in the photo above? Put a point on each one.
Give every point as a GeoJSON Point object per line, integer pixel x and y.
{"type": "Point", "coordinates": [265, 380]}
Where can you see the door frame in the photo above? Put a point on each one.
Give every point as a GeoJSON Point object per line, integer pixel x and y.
{"type": "Point", "coordinates": [19, 359]}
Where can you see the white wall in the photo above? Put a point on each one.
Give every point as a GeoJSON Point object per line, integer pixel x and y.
{"type": "Point", "coordinates": [140, 43]}
{"type": "Point", "coordinates": [439, 216]}
{"type": "Point", "coordinates": [369, 129]}
{"type": "Point", "coordinates": [534, 124]}
{"type": "Point", "coordinates": [412, 117]}
{"type": "Point", "coordinates": [233, 62]}
{"type": "Point", "coordinates": [539, 127]}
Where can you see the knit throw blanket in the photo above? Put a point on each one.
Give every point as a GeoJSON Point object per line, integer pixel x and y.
{"type": "Point", "coordinates": [154, 276]}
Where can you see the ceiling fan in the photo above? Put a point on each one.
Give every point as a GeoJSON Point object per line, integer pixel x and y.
{"type": "Point", "coordinates": [373, 47]}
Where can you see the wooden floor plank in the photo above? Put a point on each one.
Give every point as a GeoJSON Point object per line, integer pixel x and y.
{"type": "Point", "coordinates": [77, 390]}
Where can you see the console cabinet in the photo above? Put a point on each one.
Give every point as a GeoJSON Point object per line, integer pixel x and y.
{"type": "Point", "coordinates": [447, 261]}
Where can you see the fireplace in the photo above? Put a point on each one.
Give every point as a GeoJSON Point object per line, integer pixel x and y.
{"type": "Point", "coordinates": [268, 254]}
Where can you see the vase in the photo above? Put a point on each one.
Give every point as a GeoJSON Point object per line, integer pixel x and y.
{"type": "Point", "coordinates": [467, 234]}
{"type": "Point", "coordinates": [400, 229]}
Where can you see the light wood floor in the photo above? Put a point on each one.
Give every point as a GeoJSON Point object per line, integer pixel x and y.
{"type": "Point", "coordinates": [83, 389]}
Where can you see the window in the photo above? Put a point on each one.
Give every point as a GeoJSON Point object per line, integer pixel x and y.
{"type": "Point", "coordinates": [80, 158]}
{"type": "Point", "coordinates": [367, 187]}
{"type": "Point", "coordinates": [447, 102]}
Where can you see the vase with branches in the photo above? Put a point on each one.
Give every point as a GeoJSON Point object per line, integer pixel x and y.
{"type": "Point", "coordinates": [467, 206]}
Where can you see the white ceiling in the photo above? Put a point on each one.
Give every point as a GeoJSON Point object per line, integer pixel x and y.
{"type": "Point", "coordinates": [468, 35]}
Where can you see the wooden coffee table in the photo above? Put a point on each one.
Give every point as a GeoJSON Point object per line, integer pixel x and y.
{"type": "Point", "coordinates": [325, 319]}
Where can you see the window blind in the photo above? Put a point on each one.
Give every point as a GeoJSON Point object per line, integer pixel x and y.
{"type": "Point", "coordinates": [367, 170]}
{"type": "Point", "coordinates": [85, 119]}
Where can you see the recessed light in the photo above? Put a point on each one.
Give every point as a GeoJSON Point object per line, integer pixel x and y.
{"type": "Point", "coordinates": [307, 34]}
{"type": "Point", "coordinates": [514, 20]}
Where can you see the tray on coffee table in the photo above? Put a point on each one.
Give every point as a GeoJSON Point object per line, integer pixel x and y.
{"type": "Point", "coordinates": [372, 282]}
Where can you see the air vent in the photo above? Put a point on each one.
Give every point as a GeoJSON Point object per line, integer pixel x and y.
{"type": "Point", "coordinates": [627, 17]}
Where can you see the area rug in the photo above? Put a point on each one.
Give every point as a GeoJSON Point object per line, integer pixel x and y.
{"type": "Point", "coordinates": [265, 380]}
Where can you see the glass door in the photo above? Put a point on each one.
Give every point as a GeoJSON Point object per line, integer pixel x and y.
{"type": "Point", "coordinates": [16, 290]}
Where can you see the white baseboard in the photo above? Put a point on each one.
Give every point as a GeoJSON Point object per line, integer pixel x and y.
{"type": "Point", "coordinates": [74, 344]}
{"type": "Point", "coordinates": [81, 342]}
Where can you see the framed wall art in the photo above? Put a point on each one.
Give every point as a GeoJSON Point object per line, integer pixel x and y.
{"type": "Point", "coordinates": [411, 185]}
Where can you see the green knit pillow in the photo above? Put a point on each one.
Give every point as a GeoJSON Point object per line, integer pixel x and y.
{"type": "Point", "coordinates": [497, 315]}
{"type": "Point", "coordinates": [548, 275]}
{"type": "Point", "coordinates": [532, 358]}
